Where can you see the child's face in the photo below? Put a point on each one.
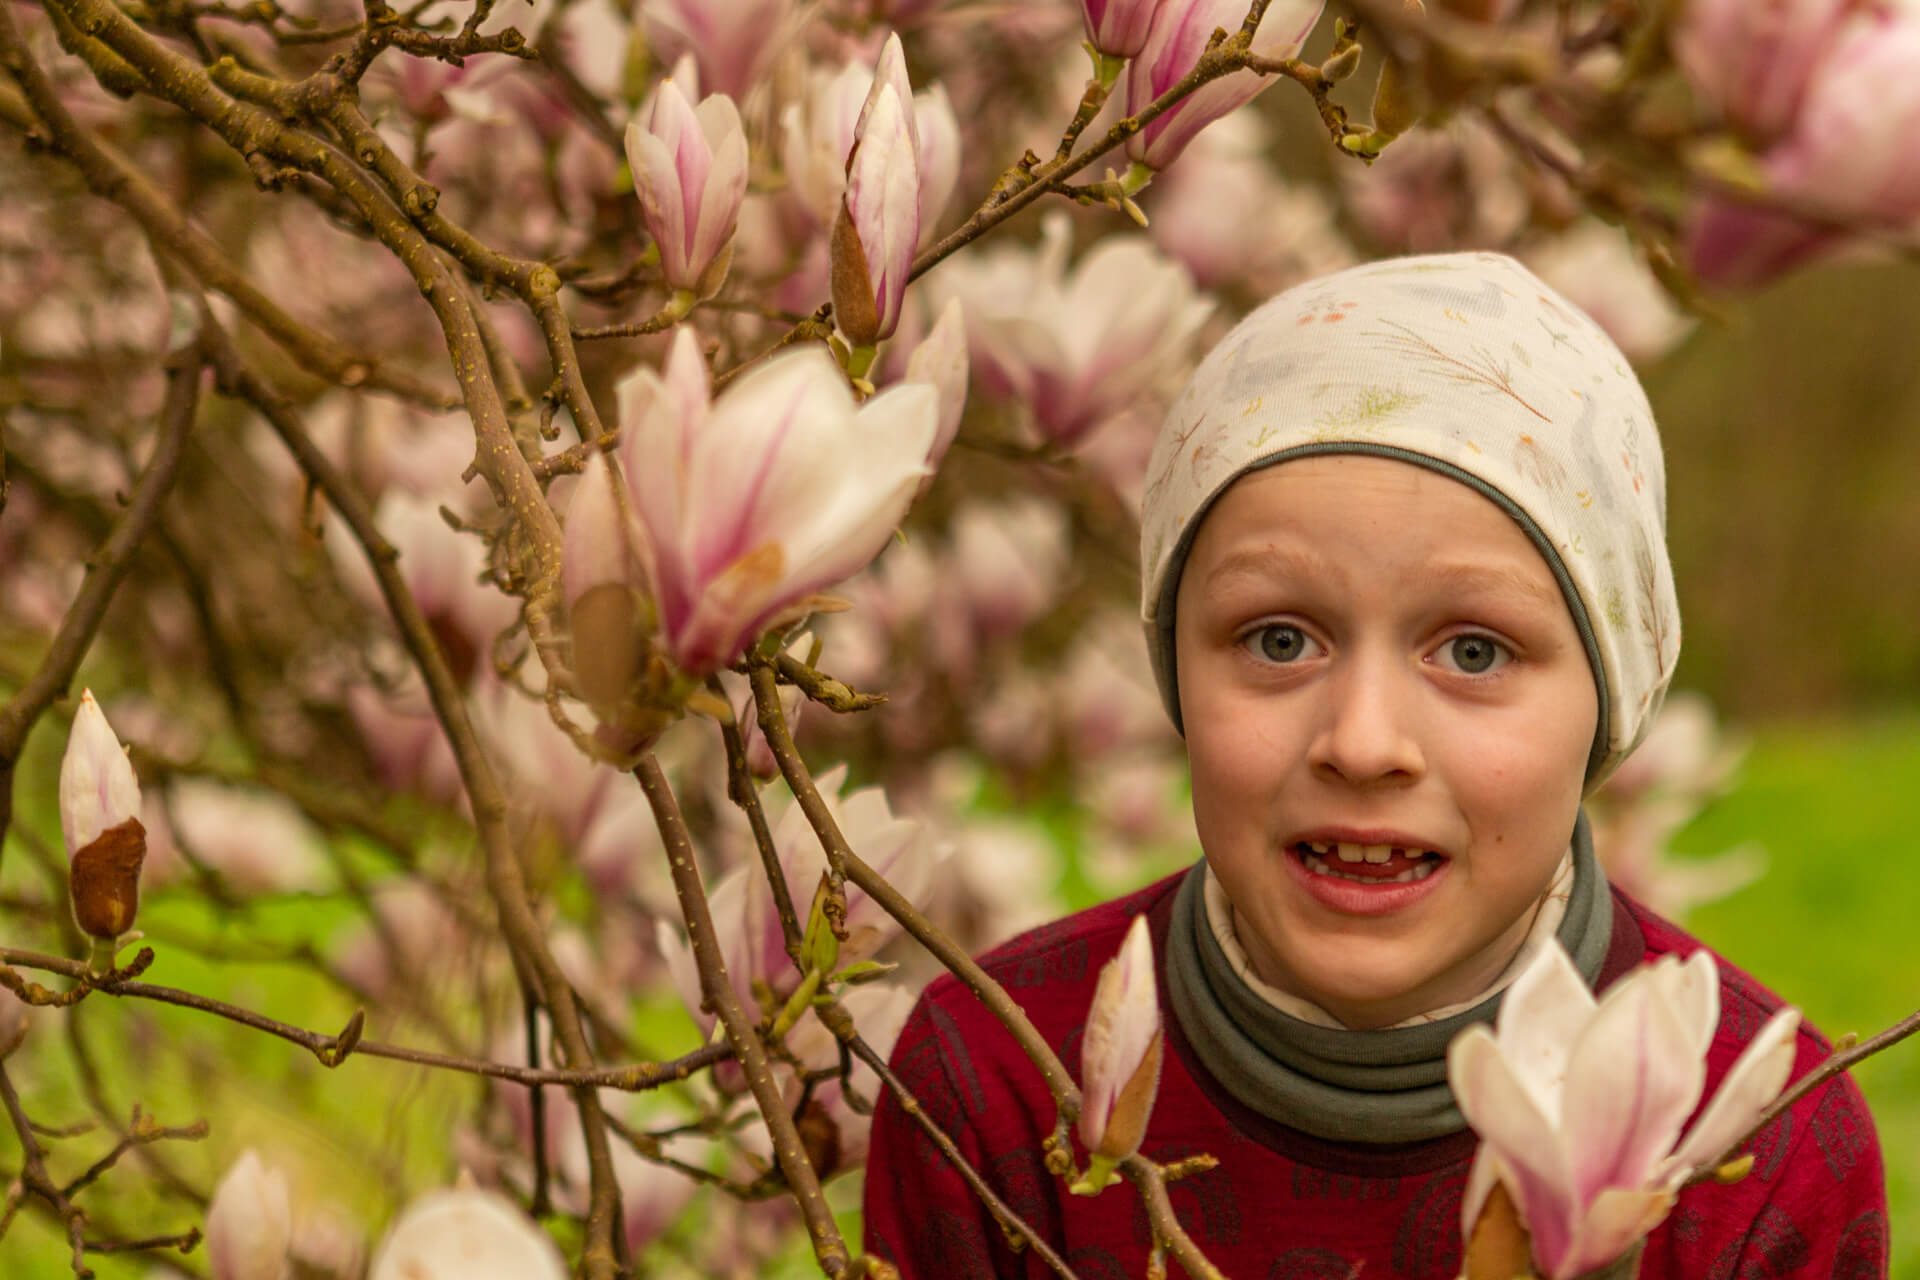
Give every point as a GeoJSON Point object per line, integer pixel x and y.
{"type": "Point", "coordinates": [1372, 654]}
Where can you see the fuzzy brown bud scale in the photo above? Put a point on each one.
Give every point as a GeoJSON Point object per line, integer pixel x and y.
{"type": "Point", "coordinates": [105, 880]}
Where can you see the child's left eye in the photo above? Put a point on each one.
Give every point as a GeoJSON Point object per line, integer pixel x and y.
{"type": "Point", "coordinates": [1473, 654]}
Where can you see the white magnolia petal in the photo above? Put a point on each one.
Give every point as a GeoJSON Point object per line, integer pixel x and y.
{"type": "Point", "coordinates": [1755, 1080]}
{"type": "Point", "coordinates": [839, 502]}
{"type": "Point", "coordinates": [1693, 988]}
{"type": "Point", "coordinates": [1632, 1080]}
{"type": "Point", "coordinates": [1502, 1111]}
{"type": "Point", "coordinates": [726, 179]}
{"type": "Point", "coordinates": [883, 199]}
{"type": "Point", "coordinates": [889, 76]}
{"type": "Point", "coordinates": [97, 787]}
{"type": "Point", "coordinates": [1541, 1014]}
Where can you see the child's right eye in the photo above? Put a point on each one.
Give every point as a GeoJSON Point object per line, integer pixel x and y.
{"type": "Point", "coordinates": [1279, 642]}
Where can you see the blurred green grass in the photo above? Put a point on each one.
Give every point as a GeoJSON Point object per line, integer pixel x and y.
{"type": "Point", "coordinates": [1834, 927]}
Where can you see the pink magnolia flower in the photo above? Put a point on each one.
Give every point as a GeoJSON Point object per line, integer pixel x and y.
{"type": "Point", "coordinates": [1851, 160]}
{"type": "Point", "coordinates": [732, 40]}
{"type": "Point", "coordinates": [752, 503]}
{"type": "Point", "coordinates": [1076, 347]}
{"type": "Point", "coordinates": [1118, 28]}
{"type": "Point", "coordinates": [878, 226]}
{"type": "Point", "coordinates": [100, 821]}
{"type": "Point", "coordinates": [466, 1234]}
{"type": "Point", "coordinates": [1174, 44]}
{"type": "Point", "coordinates": [817, 135]}
{"type": "Point", "coordinates": [249, 1222]}
{"type": "Point", "coordinates": [1579, 1106]}
{"type": "Point", "coordinates": [1120, 1057]}
{"type": "Point", "coordinates": [690, 169]}
{"type": "Point", "coordinates": [1752, 59]}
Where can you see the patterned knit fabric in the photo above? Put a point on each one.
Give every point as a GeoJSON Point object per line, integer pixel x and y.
{"type": "Point", "coordinates": [1285, 1206]}
{"type": "Point", "coordinates": [1465, 363]}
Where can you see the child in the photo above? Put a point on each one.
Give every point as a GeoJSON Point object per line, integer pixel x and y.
{"type": "Point", "coordinates": [1407, 595]}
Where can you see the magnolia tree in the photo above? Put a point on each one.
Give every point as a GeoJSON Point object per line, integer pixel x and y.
{"type": "Point", "coordinates": [579, 510]}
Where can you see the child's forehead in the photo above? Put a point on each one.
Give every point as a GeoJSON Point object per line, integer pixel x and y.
{"type": "Point", "coordinates": [1348, 522]}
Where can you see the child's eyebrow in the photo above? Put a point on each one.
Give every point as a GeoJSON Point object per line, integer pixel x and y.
{"type": "Point", "coordinates": [1269, 560]}
{"type": "Point", "coordinates": [1496, 580]}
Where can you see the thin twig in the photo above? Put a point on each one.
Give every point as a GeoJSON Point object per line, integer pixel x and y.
{"type": "Point", "coordinates": [1836, 1062]}
{"type": "Point", "coordinates": [635, 1077]}
{"type": "Point", "coordinates": [829, 1249]}
{"type": "Point", "coordinates": [746, 796]}
{"type": "Point", "coordinates": [1012, 1223]}
{"type": "Point", "coordinates": [1066, 1094]}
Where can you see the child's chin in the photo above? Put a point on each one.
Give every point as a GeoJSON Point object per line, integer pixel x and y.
{"type": "Point", "coordinates": [1369, 995]}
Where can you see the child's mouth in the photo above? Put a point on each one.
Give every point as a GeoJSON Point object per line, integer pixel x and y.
{"type": "Point", "coordinates": [1368, 864]}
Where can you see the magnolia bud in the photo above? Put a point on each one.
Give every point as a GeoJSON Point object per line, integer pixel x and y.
{"type": "Point", "coordinates": [99, 817]}
{"type": "Point", "coordinates": [1120, 1058]}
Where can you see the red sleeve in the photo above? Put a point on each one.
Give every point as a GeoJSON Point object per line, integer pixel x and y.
{"type": "Point", "coordinates": [1825, 1215]}
{"type": "Point", "coordinates": [919, 1213]}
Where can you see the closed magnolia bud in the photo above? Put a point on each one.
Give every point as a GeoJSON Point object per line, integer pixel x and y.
{"type": "Point", "coordinates": [99, 818]}
{"type": "Point", "coordinates": [878, 225]}
{"type": "Point", "coordinates": [1120, 1058]}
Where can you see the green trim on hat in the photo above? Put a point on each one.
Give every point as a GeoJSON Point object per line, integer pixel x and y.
{"type": "Point", "coordinates": [1165, 666]}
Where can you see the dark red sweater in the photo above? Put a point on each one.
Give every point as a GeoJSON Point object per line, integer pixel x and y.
{"type": "Point", "coordinates": [1286, 1206]}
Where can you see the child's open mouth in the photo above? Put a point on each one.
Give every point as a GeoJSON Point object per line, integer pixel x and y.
{"type": "Point", "coordinates": [1370, 864]}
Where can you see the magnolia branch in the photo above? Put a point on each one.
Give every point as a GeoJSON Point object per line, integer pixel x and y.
{"type": "Point", "coordinates": [1016, 1227]}
{"type": "Point", "coordinates": [1066, 1094]}
{"type": "Point", "coordinates": [718, 994]}
{"type": "Point", "coordinates": [1836, 1062]}
{"type": "Point", "coordinates": [334, 1049]}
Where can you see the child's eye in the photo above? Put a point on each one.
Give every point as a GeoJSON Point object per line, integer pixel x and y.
{"type": "Point", "coordinates": [1279, 642]}
{"type": "Point", "coordinates": [1474, 654]}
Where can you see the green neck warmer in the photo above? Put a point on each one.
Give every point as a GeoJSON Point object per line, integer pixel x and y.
{"type": "Point", "coordinates": [1385, 1086]}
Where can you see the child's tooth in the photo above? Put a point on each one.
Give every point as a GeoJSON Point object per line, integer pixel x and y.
{"type": "Point", "coordinates": [1377, 852]}
{"type": "Point", "coordinates": [1351, 853]}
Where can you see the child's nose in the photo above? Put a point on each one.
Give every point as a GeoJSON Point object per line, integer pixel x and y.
{"type": "Point", "coordinates": [1366, 730]}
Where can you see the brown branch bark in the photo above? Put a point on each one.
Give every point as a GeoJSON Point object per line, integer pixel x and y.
{"type": "Point", "coordinates": [633, 1078]}
{"type": "Point", "coordinates": [829, 1249]}
{"type": "Point", "coordinates": [1836, 1062]}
